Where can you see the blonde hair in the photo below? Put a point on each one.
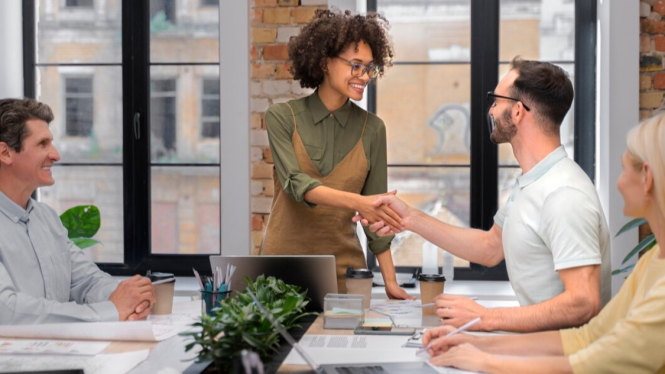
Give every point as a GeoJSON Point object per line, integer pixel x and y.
{"type": "Point", "coordinates": [646, 144]}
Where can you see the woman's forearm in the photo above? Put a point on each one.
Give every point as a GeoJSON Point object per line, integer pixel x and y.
{"type": "Point", "coordinates": [498, 364]}
{"type": "Point", "coordinates": [546, 343]}
{"type": "Point", "coordinates": [322, 195]}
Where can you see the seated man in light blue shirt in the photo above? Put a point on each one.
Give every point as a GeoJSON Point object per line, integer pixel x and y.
{"type": "Point", "coordinates": [552, 231]}
{"type": "Point", "coordinates": [44, 277]}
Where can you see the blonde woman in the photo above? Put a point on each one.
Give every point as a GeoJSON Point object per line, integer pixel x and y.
{"type": "Point", "coordinates": [628, 336]}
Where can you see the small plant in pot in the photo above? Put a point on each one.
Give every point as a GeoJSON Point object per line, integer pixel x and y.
{"type": "Point", "coordinates": [238, 323]}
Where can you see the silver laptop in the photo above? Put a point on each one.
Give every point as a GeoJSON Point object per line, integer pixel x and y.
{"type": "Point", "coordinates": [316, 274]}
{"type": "Point", "coordinates": [420, 367]}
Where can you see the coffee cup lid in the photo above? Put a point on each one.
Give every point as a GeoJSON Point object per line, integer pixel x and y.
{"type": "Point", "coordinates": [157, 276]}
{"type": "Point", "coordinates": [358, 273]}
{"type": "Point", "coordinates": [431, 278]}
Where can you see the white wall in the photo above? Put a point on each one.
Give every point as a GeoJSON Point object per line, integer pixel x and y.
{"type": "Point", "coordinates": [234, 132]}
{"type": "Point", "coordinates": [11, 44]}
{"type": "Point", "coordinates": [617, 109]}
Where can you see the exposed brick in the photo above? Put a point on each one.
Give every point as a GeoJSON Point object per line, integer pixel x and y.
{"type": "Point", "coordinates": [254, 53]}
{"type": "Point", "coordinates": [645, 10]}
{"type": "Point", "coordinates": [314, 2]}
{"type": "Point", "coordinates": [256, 121]}
{"type": "Point", "coordinates": [257, 17]}
{"type": "Point", "coordinates": [645, 82]}
{"type": "Point", "coordinates": [288, 2]}
{"type": "Point", "coordinates": [257, 237]}
{"type": "Point", "coordinates": [261, 171]}
{"type": "Point", "coordinates": [655, 16]}
{"type": "Point", "coordinates": [281, 16]}
{"type": "Point", "coordinates": [255, 154]}
{"type": "Point", "coordinates": [658, 43]}
{"type": "Point", "coordinates": [269, 188]}
{"type": "Point", "coordinates": [254, 88]}
{"type": "Point", "coordinates": [261, 204]}
{"type": "Point", "coordinates": [284, 34]}
{"type": "Point", "coordinates": [298, 90]}
{"type": "Point", "coordinates": [276, 52]}
{"type": "Point", "coordinates": [282, 99]}
{"type": "Point", "coordinates": [272, 88]}
{"type": "Point", "coordinates": [651, 63]}
{"type": "Point", "coordinates": [265, 3]}
{"type": "Point", "coordinates": [267, 156]}
{"type": "Point", "coordinates": [645, 43]}
{"type": "Point", "coordinates": [644, 114]}
{"type": "Point", "coordinates": [258, 105]}
{"type": "Point", "coordinates": [659, 7]}
{"type": "Point", "coordinates": [651, 100]}
{"type": "Point", "coordinates": [262, 35]}
{"type": "Point", "coordinates": [262, 70]}
{"type": "Point", "coordinates": [257, 222]}
{"type": "Point", "coordinates": [282, 71]}
{"type": "Point", "coordinates": [303, 14]}
{"type": "Point", "coordinates": [258, 138]}
{"type": "Point", "coordinates": [652, 27]}
{"type": "Point", "coordinates": [658, 81]}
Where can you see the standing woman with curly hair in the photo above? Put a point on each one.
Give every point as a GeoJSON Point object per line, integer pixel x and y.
{"type": "Point", "coordinates": [330, 155]}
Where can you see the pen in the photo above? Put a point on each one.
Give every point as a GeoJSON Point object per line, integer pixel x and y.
{"type": "Point", "coordinates": [462, 328]}
{"type": "Point", "coordinates": [163, 281]}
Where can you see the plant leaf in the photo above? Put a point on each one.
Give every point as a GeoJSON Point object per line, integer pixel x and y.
{"type": "Point", "coordinates": [624, 270]}
{"type": "Point", "coordinates": [630, 225]}
{"type": "Point", "coordinates": [84, 243]}
{"type": "Point", "coordinates": [81, 221]}
{"type": "Point", "coordinates": [648, 243]}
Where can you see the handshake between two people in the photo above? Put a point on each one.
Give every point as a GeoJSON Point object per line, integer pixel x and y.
{"type": "Point", "coordinates": [385, 214]}
{"type": "Point", "coordinates": [134, 298]}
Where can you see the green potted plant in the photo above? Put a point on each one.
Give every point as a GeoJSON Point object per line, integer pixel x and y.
{"type": "Point", "coordinates": [82, 223]}
{"type": "Point", "coordinates": [238, 323]}
{"type": "Point", "coordinates": [645, 245]}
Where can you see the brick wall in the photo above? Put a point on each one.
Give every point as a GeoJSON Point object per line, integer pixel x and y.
{"type": "Point", "coordinates": [273, 22]}
{"type": "Point", "coordinates": [652, 70]}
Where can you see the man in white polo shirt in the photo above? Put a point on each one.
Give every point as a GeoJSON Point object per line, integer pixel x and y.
{"type": "Point", "coordinates": [552, 232]}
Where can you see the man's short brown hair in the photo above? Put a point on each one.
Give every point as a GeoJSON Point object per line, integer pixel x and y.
{"type": "Point", "coordinates": [14, 113]}
{"type": "Point", "coordinates": [546, 87]}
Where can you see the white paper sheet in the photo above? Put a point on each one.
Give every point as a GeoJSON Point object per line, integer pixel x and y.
{"type": "Point", "coordinates": [119, 363]}
{"type": "Point", "coordinates": [150, 331]}
{"type": "Point", "coordinates": [51, 347]}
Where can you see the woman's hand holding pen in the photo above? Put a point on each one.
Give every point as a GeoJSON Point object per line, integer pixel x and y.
{"type": "Point", "coordinates": [371, 212]}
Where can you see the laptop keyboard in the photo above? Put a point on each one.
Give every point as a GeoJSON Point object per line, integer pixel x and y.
{"type": "Point", "coordinates": [360, 370]}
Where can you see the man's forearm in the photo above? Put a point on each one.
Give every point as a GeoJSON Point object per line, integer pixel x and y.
{"type": "Point", "coordinates": [563, 311]}
{"type": "Point", "coordinates": [473, 245]}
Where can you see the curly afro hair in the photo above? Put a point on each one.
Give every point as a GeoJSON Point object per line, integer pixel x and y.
{"type": "Point", "coordinates": [328, 34]}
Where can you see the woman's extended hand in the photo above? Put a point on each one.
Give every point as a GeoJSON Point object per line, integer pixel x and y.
{"type": "Point", "coordinates": [371, 212]}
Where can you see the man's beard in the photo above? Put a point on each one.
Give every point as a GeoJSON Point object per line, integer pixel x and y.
{"type": "Point", "coordinates": [504, 128]}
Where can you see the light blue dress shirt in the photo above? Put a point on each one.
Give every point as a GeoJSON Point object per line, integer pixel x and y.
{"type": "Point", "coordinates": [44, 277]}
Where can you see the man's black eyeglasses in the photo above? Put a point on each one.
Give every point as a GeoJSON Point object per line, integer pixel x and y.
{"type": "Point", "coordinates": [491, 99]}
{"type": "Point", "coordinates": [358, 69]}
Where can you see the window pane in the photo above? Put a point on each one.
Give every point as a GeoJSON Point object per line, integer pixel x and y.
{"type": "Point", "coordinates": [100, 186]}
{"type": "Point", "coordinates": [567, 129]}
{"type": "Point", "coordinates": [75, 31]}
{"type": "Point", "coordinates": [507, 179]}
{"type": "Point", "coordinates": [430, 30]}
{"type": "Point", "coordinates": [185, 210]}
{"type": "Point", "coordinates": [183, 33]}
{"type": "Point", "coordinates": [426, 112]}
{"type": "Point", "coordinates": [439, 192]}
{"type": "Point", "coordinates": [87, 105]}
{"type": "Point", "coordinates": [181, 115]}
{"type": "Point", "coordinates": [537, 30]}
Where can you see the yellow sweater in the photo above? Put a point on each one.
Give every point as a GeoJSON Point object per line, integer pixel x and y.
{"type": "Point", "coordinates": [628, 335]}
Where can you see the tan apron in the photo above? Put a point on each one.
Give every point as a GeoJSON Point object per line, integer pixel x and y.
{"type": "Point", "coordinates": [295, 229]}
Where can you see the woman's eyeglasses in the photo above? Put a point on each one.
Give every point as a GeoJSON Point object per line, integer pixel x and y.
{"type": "Point", "coordinates": [358, 69]}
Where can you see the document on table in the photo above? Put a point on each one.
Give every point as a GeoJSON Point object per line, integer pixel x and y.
{"type": "Point", "coordinates": [51, 347]}
{"type": "Point", "coordinates": [156, 329]}
{"type": "Point", "coordinates": [119, 363]}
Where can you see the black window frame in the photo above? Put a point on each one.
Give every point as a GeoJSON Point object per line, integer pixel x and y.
{"type": "Point", "coordinates": [485, 19]}
{"type": "Point", "coordinates": [137, 162]}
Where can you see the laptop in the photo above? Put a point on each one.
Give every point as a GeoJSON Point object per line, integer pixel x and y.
{"type": "Point", "coordinates": [316, 274]}
{"type": "Point", "coordinates": [416, 367]}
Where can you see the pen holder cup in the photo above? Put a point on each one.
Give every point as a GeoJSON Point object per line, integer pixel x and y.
{"type": "Point", "coordinates": [211, 300]}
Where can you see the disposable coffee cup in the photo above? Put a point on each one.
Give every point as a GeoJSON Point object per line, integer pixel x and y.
{"type": "Point", "coordinates": [163, 292]}
{"type": "Point", "coordinates": [431, 286]}
{"type": "Point", "coordinates": [359, 282]}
